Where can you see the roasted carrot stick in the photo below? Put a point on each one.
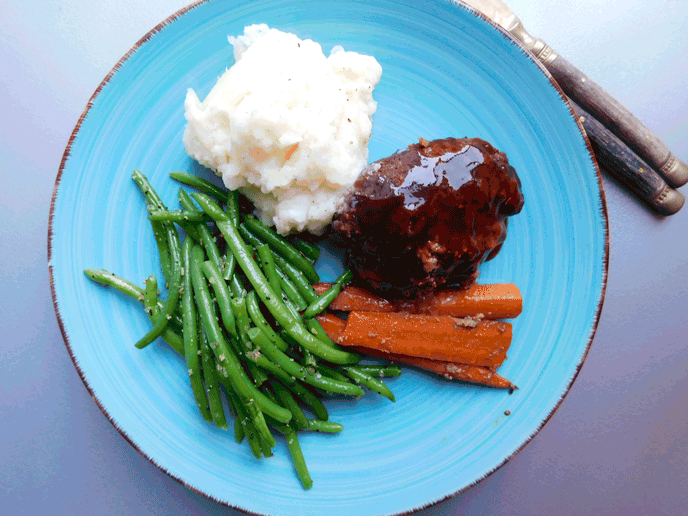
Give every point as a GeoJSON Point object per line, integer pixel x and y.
{"type": "Point", "coordinates": [443, 338]}
{"type": "Point", "coordinates": [334, 326]}
{"type": "Point", "coordinates": [467, 373]}
{"type": "Point", "coordinates": [355, 298]}
{"type": "Point", "coordinates": [494, 301]}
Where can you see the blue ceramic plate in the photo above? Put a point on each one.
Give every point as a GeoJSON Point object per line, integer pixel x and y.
{"type": "Point", "coordinates": [446, 71]}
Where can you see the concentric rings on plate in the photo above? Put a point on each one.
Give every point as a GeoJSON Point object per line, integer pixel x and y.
{"type": "Point", "coordinates": [446, 72]}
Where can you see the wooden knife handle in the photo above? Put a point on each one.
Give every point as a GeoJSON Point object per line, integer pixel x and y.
{"type": "Point", "coordinates": [618, 120]}
{"type": "Point", "coordinates": [627, 168]}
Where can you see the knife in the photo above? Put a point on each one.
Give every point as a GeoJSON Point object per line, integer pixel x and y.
{"type": "Point", "coordinates": [589, 95]}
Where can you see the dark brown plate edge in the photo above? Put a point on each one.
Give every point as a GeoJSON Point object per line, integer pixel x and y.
{"type": "Point", "coordinates": [65, 157]}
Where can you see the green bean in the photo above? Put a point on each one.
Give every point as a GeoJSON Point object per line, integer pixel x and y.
{"type": "Point", "coordinates": [298, 371]}
{"type": "Point", "coordinates": [329, 427]}
{"type": "Point", "coordinates": [271, 395]}
{"type": "Point", "coordinates": [267, 451]}
{"type": "Point", "coordinates": [147, 189]}
{"type": "Point", "coordinates": [245, 421]}
{"type": "Point", "coordinates": [294, 448]}
{"type": "Point", "coordinates": [174, 340]}
{"type": "Point", "coordinates": [186, 202]}
{"type": "Point", "coordinates": [243, 424]}
{"type": "Point", "coordinates": [279, 244]}
{"type": "Point", "coordinates": [228, 262]}
{"type": "Point", "coordinates": [324, 300]}
{"type": "Point", "coordinates": [229, 265]}
{"type": "Point", "coordinates": [373, 384]}
{"type": "Point", "coordinates": [190, 334]}
{"type": "Point", "coordinates": [254, 356]}
{"type": "Point", "coordinates": [295, 275]}
{"type": "Point", "coordinates": [239, 433]}
{"type": "Point", "coordinates": [127, 288]}
{"type": "Point", "coordinates": [199, 184]}
{"type": "Point", "coordinates": [258, 375]}
{"type": "Point", "coordinates": [212, 385]}
{"type": "Point", "coordinates": [381, 371]}
{"type": "Point", "coordinates": [310, 250]}
{"type": "Point", "coordinates": [228, 363]}
{"type": "Point", "coordinates": [212, 209]}
{"type": "Point", "coordinates": [258, 420]}
{"type": "Point", "coordinates": [222, 296]}
{"type": "Point", "coordinates": [378, 370]}
{"type": "Point", "coordinates": [264, 439]}
{"type": "Point", "coordinates": [154, 202]}
{"type": "Point", "coordinates": [206, 311]}
{"type": "Point", "coordinates": [150, 298]}
{"type": "Point", "coordinates": [243, 322]}
{"type": "Point", "coordinates": [293, 311]}
{"type": "Point", "coordinates": [298, 418]}
{"type": "Point", "coordinates": [271, 409]}
{"type": "Point", "coordinates": [309, 399]}
{"type": "Point", "coordinates": [172, 239]}
{"type": "Point", "coordinates": [189, 207]}
{"type": "Point", "coordinates": [204, 235]}
{"type": "Point", "coordinates": [191, 229]}
{"type": "Point", "coordinates": [150, 294]}
{"type": "Point", "coordinates": [236, 287]}
{"type": "Point", "coordinates": [170, 304]}
{"type": "Point", "coordinates": [233, 206]}
{"type": "Point", "coordinates": [268, 266]}
{"type": "Point", "coordinates": [291, 291]}
{"type": "Point", "coordinates": [246, 346]}
{"type": "Point", "coordinates": [169, 336]}
{"type": "Point", "coordinates": [159, 233]}
{"type": "Point", "coordinates": [208, 241]}
{"type": "Point", "coordinates": [258, 319]}
{"type": "Point", "coordinates": [265, 364]}
{"type": "Point", "coordinates": [309, 360]}
{"type": "Point", "coordinates": [291, 343]}
{"type": "Point", "coordinates": [271, 351]}
{"type": "Point", "coordinates": [332, 373]}
{"type": "Point", "coordinates": [296, 455]}
{"type": "Point", "coordinates": [178, 216]}
{"type": "Point", "coordinates": [319, 332]}
{"type": "Point", "coordinates": [267, 295]}
{"type": "Point", "coordinates": [150, 305]}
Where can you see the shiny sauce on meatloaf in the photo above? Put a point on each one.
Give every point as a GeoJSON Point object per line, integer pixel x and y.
{"type": "Point", "coordinates": [426, 217]}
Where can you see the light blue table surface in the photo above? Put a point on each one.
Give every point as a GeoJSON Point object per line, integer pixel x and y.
{"type": "Point", "coordinates": [618, 443]}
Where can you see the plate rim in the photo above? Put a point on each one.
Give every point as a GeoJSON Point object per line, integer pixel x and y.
{"type": "Point", "coordinates": [603, 207]}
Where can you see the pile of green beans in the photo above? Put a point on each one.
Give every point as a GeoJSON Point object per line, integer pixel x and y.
{"type": "Point", "coordinates": [240, 309]}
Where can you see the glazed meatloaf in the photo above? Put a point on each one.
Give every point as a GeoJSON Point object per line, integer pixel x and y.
{"type": "Point", "coordinates": [426, 217]}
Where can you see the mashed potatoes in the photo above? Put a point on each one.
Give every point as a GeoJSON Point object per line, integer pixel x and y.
{"type": "Point", "coordinates": [286, 125]}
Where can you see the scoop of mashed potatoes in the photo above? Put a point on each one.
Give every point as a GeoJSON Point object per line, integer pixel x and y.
{"type": "Point", "coordinates": [286, 126]}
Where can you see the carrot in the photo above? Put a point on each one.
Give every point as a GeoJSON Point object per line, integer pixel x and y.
{"type": "Point", "coordinates": [334, 326]}
{"type": "Point", "coordinates": [467, 373]}
{"type": "Point", "coordinates": [443, 338]}
{"type": "Point", "coordinates": [355, 298]}
{"type": "Point", "coordinates": [494, 301]}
